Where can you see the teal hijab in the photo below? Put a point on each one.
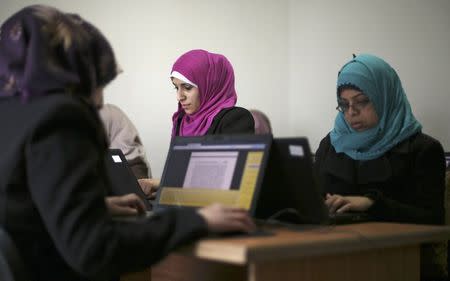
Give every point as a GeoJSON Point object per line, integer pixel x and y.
{"type": "Point", "coordinates": [381, 84]}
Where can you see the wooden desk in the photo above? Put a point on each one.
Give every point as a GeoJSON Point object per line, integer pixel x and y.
{"type": "Point", "coordinates": [368, 251]}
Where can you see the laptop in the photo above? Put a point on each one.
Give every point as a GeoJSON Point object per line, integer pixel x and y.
{"type": "Point", "coordinates": [121, 176]}
{"type": "Point", "coordinates": [202, 170]}
{"type": "Point", "coordinates": [289, 193]}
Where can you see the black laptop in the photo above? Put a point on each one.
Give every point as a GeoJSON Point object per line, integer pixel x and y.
{"type": "Point", "coordinates": [289, 193]}
{"type": "Point", "coordinates": [447, 161]}
{"type": "Point", "coordinates": [122, 178]}
{"type": "Point", "coordinates": [225, 169]}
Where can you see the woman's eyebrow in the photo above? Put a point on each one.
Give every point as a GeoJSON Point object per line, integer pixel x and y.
{"type": "Point", "coordinates": [358, 95]}
{"type": "Point", "coordinates": [352, 98]}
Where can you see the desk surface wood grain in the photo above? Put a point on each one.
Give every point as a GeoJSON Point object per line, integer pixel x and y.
{"type": "Point", "coordinates": [314, 241]}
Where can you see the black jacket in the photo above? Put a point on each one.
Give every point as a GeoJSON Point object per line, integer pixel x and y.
{"type": "Point", "coordinates": [52, 189]}
{"type": "Point", "coordinates": [407, 182]}
{"type": "Point", "coordinates": [233, 120]}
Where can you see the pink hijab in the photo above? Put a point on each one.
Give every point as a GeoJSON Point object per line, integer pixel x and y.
{"type": "Point", "coordinates": [213, 75]}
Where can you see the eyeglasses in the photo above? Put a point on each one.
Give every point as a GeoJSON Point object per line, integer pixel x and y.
{"type": "Point", "coordinates": [344, 106]}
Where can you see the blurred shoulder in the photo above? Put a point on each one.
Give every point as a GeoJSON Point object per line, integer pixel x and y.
{"type": "Point", "coordinates": [233, 120]}
{"type": "Point", "coordinates": [111, 108]}
{"type": "Point", "coordinates": [423, 140]}
{"type": "Point", "coordinates": [45, 115]}
{"type": "Point", "coordinates": [235, 113]}
{"type": "Point", "coordinates": [63, 108]}
{"type": "Point", "coordinates": [44, 108]}
{"type": "Point", "coordinates": [326, 141]}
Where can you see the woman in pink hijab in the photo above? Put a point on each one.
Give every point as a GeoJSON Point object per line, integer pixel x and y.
{"type": "Point", "coordinates": [206, 97]}
{"type": "Point", "coordinates": [206, 101]}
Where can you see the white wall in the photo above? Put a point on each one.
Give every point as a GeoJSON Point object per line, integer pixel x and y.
{"type": "Point", "coordinates": [148, 36]}
{"type": "Point", "coordinates": [412, 35]}
{"type": "Point", "coordinates": [285, 53]}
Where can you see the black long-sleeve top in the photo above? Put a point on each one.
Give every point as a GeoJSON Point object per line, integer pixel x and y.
{"type": "Point", "coordinates": [52, 189]}
{"type": "Point", "coordinates": [233, 120]}
{"type": "Point", "coordinates": [406, 183]}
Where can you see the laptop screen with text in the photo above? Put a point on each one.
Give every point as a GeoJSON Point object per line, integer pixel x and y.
{"type": "Point", "coordinates": [214, 169]}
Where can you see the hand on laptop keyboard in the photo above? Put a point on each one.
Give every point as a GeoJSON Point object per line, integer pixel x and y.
{"type": "Point", "coordinates": [340, 204]}
{"type": "Point", "coordinates": [149, 187]}
{"type": "Point", "coordinates": [222, 219]}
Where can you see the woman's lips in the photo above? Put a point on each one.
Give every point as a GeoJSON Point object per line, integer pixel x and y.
{"type": "Point", "coordinates": [357, 125]}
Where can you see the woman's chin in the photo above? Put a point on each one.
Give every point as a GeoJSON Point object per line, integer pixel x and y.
{"type": "Point", "coordinates": [189, 112]}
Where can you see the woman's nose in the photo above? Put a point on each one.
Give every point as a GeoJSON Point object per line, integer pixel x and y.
{"type": "Point", "coordinates": [180, 96]}
{"type": "Point", "coordinates": [352, 111]}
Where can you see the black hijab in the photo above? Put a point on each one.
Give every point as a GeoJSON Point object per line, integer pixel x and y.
{"type": "Point", "coordinates": [44, 51]}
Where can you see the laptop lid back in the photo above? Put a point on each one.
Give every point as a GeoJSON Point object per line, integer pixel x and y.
{"type": "Point", "coordinates": [225, 169]}
{"type": "Point", "coordinates": [289, 192]}
{"type": "Point", "coordinates": [122, 178]}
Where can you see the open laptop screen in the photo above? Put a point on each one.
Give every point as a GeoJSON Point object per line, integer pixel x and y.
{"type": "Point", "coordinates": [289, 192]}
{"type": "Point", "coordinates": [214, 169]}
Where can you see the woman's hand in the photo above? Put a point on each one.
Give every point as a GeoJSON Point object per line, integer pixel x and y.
{"type": "Point", "coordinates": [226, 219]}
{"type": "Point", "coordinates": [149, 186]}
{"type": "Point", "coordinates": [126, 205]}
{"type": "Point", "coordinates": [341, 204]}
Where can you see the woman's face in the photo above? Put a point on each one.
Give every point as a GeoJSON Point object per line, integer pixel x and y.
{"type": "Point", "coordinates": [358, 110]}
{"type": "Point", "coordinates": [187, 95]}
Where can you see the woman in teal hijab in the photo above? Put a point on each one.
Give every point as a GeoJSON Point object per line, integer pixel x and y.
{"type": "Point", "coordinates": [376, 158]}
{"type": "Point", "coordinates": [381, 86]}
